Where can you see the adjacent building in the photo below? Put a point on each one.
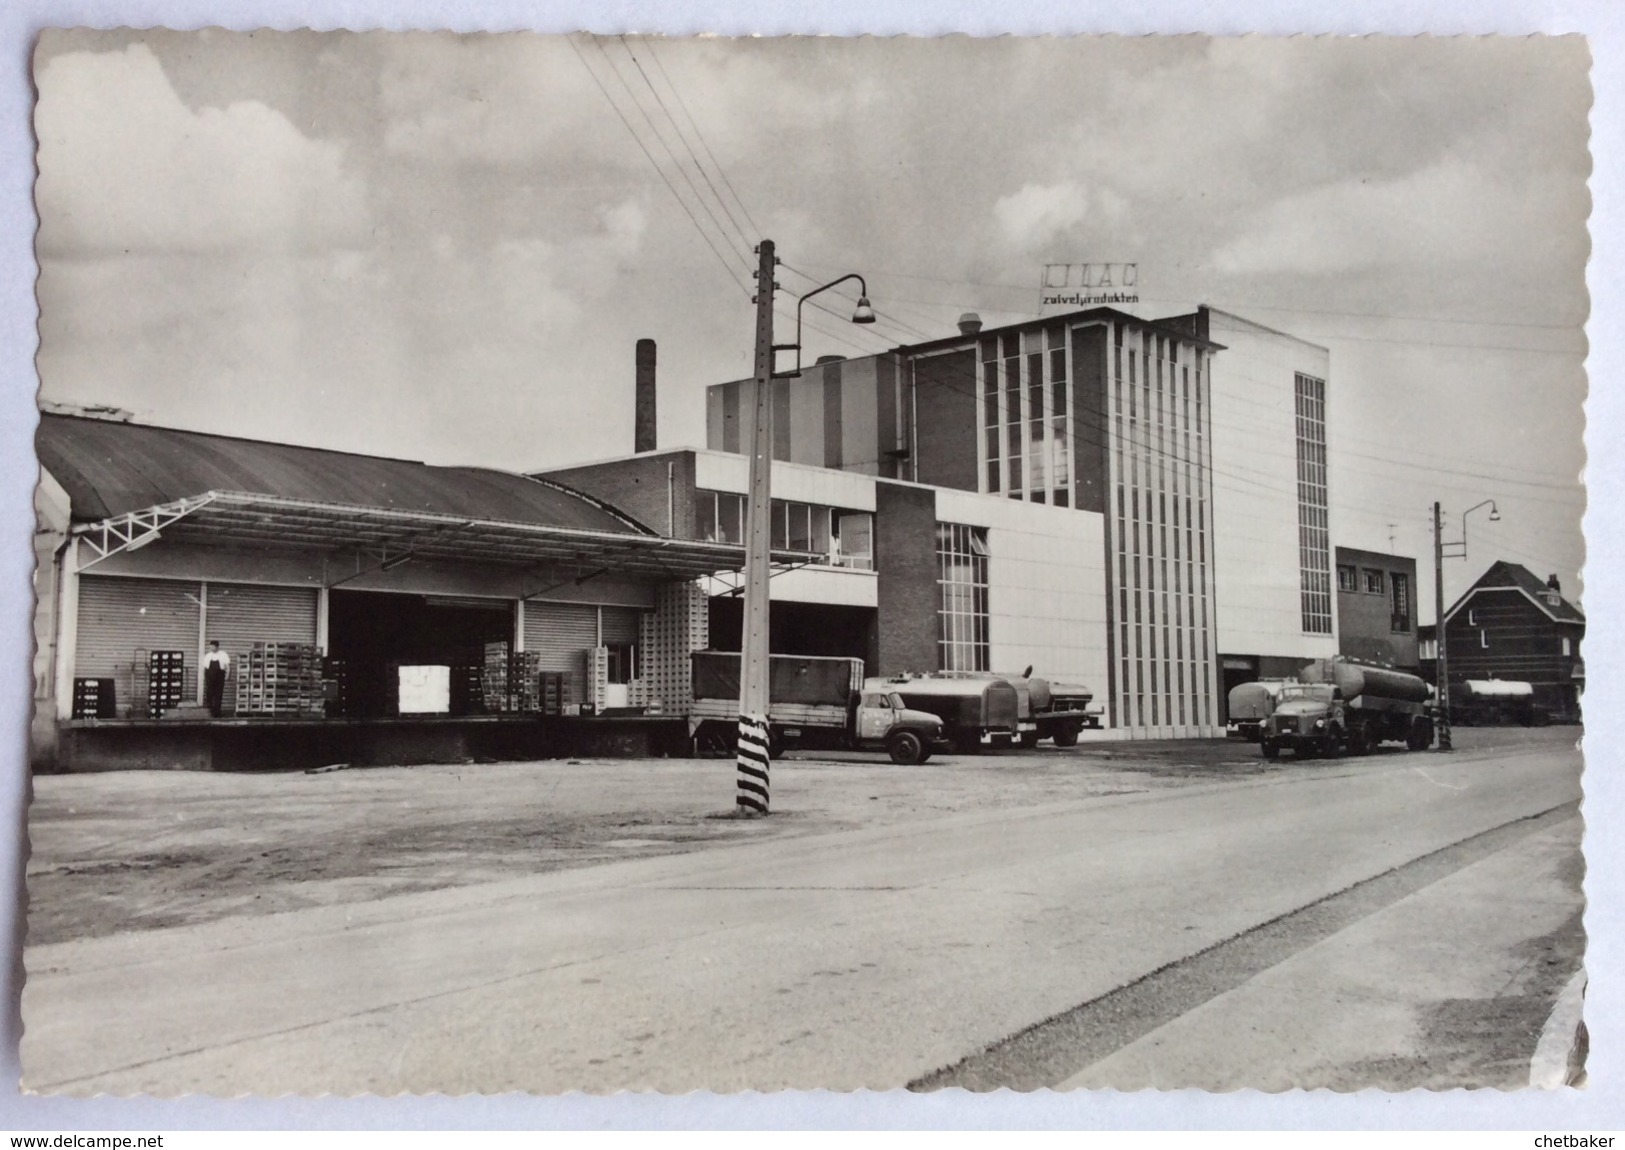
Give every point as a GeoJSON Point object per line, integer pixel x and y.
{"type": "Point", "coordinates": [1376, 608]}
{"type": "Point", "coordinates": [1513, 625]}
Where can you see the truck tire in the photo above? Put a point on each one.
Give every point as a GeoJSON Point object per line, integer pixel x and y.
{"type": "Point", "coordinates": [1420, 737]}
{"type": "Point", "coordinates": [1029, 740]}
{"type": "Point", "coordinates": [1269, 748]}
{"type": "Point", "coordinates": [906, 747]}
{"type": "Point", "coordinates": [1359, 742]}
{"type": "Point", "coordinates": [1066, 736]}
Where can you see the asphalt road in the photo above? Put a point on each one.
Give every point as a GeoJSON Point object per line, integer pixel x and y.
{"type": "Point", "coordinates": [926, 951]}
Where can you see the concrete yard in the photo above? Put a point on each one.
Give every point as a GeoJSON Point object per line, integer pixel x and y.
{"type": "Point", "coordinates": [1128, 915]}
{"type": "Point", "coordinates": [142, 850]}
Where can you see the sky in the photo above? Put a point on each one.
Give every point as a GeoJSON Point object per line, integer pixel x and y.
{"type": "Point", "coordinates": [446, 248]}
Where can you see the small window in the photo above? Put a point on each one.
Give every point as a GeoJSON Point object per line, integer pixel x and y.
{"type": "Point", "coordinates": [1472, 617]}
{"type": "Point", "coordinates": [1568, 648]}
{"type": "Point", "coordinates": [1484, 639]}
{"type": "Point", "coordinates": [623, 662]}
{"type": "Point", "coordinates": [1373, 582]}
{"type": "Point", "coordinates": [1345, 578]}
{"type": "Point", "coordinates": [855, 539]}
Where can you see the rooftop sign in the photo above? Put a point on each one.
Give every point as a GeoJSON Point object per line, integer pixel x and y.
{"type": "Point", "coordinates": [1068, 286]}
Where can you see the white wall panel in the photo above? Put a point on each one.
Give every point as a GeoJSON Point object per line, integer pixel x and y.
{"type": "Point", "coordinates": [716, 471]}
{"type": "Point", "coordinates": [1255, 489]}
{"type": "Point", "coordinates": [1046, 585]}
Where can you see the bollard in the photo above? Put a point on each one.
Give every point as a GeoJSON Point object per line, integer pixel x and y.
{"type": "Point", "coordinates": [752, 761]}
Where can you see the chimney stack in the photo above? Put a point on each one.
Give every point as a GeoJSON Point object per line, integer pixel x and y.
{"type": "Point", "coordinates": [970, 323]}
{"type": "Point", "coordinates": [643, 428]}
{"type": "Point", "coordinates": [1553, 584]}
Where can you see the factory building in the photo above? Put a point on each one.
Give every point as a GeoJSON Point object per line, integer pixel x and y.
{"type": "Point", "coordinates": [424, 591]}
{"type": "Point", "coordinates": [906, 576]}
{"type": "Point", "coordinates": [1201, 440]}
{"type": "Point", "coordinates": [1099, 413]}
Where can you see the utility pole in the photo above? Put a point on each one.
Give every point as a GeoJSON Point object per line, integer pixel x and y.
{"type": "Point", "coordinates": [1441, 664]}
{"type": "Point", "coordinates": [751, 761]}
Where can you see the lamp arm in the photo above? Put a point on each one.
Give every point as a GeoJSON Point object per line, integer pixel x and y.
{"type": "Point", "coordinates": [863, 288]}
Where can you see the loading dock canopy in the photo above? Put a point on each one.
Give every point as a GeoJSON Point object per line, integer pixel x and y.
{"type": "Point", "coordinates": [401, 536]}
{"type": "Point", "coordinates": [131, 484]}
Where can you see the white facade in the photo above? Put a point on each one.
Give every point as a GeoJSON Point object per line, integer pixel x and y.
{"type": "Point", "coordinates": [1046, 585]}
{"type": "Point", "coordinates": [1258, 556]}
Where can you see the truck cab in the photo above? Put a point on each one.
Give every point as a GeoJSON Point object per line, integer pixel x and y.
{"type": "Point", "coordinates": [881, 718]}
{"type": "Point", "coordinates": [1308, 718]}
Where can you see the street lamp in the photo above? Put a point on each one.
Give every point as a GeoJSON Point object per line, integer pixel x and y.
{"type": "Point", "coordinates": [862, 314]}
{"type": "Point", "coordinates": [751, 760]}
{"type": "Point", "coordinates": [1442, 658]}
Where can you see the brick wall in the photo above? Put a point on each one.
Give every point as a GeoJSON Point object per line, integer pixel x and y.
{"type": "Point", "coordinates": [946, 420]}
{"type": "Point", "coordinates": [637, 488]}
{"type": "Point", "coordinates": [1365, 619]}
{"type": "Point", "coordinates": [906, 560]}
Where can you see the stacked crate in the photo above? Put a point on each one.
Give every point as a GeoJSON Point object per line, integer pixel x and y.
{"type": "Point", "coordinates": [341, 698]}
{"type": "Point", "coordinates": [467, 689]}
{"type": "Point", "coordinates": [524, 682]}
{"type": "Point", "coordinates": [166, 680]}
{"type": "Point", "coordinates": [555, 692]}
{"type": "Point", "coordinates": [494, 678]}
{"type": "Point", "coordinates": [94, 699]}
{"type": "Point", "coordinates": [281, 679]}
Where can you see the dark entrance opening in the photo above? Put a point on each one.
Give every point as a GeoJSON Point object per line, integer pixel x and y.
{"type": "Point", "coordinates": [801, 629]}
{"type": "Point", "coordinates": [370, 633]}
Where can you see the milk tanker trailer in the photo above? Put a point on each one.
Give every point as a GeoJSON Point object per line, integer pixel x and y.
{"type": "Point", "coordinates": [1339, 704]}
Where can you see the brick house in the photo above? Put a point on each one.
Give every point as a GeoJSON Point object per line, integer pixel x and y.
{"type": "Point", "coordinates": [1512, 625]}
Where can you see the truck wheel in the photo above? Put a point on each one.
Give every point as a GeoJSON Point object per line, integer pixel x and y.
{"type": "Point", "coordinates": [1270, 748]}
{"type": "Point", "coordinates": [1029, 740]}
{"type": "Point", "coordinates": [1066, 737]}
{"type": "Point", "coordinates": [1420, 737]}
{"type": "Point", "coordinates": [1358, 743]}
{"type": "Point", "coordinates": [906, 747]}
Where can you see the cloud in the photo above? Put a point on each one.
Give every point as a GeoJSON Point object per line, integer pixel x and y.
{"type": "Point", "coordinates": [1038, 213]}
{"type": "Point", "coordinates": [126, 166]}
{"type": "Point", "coordinates": [1448, 212]}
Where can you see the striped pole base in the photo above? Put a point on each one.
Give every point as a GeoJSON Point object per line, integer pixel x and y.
{"type": "Point", "coordinates": [752, 761]}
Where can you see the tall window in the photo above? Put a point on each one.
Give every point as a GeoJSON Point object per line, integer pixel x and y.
{"type": "Point", "coordinates": [1401, 588]}
{"type": "Point", "coordinates": [1025, 405]}
{"type": "Point", "coordinates": [1314, 533]}
{"type": "Point", "coordinates": [962, 640]}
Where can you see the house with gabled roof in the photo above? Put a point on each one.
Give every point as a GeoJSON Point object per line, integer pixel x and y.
{"type": "Point", "coordinates": [1513, 625]}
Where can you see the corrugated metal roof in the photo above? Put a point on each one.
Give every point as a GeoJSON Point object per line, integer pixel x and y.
{"type": "Point", "coordinates": [110, 468]}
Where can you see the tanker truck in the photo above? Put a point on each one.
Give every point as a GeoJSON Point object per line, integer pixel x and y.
{"type": "Point", "coordinates": [1491, 702]}
{"type": "Point", "coordinates": [815, 702]}
{"type": "Point", "coordinates": [1250, 704]}
{"type": "Point", "coordinates": [1045, 708]}
{"type": "Point", "coordinates": [1341, 704]}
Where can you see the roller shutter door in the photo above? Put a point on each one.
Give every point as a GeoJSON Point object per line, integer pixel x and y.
{"type": "Point", "coordinates": [242, 614]}
{"type": "Point", "coordinates": [118, 617]}
{"type": "Point", "coordinates": [561, 634]}
{"type": "Point", "coordinates": [621, 625]}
